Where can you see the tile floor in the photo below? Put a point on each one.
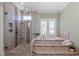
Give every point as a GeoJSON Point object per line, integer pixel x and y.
{"type": "Point", "coordinates": [21, 50]}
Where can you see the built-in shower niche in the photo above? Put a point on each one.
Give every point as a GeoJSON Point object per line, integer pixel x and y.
{"type": "Point", "coordinates": [10, 27]}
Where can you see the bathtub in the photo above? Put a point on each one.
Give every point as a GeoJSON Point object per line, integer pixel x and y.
{"type": "Point", "coordinates": [47, 38]}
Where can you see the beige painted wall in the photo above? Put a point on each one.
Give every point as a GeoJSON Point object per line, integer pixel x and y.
{"type": "Point", "coordinates": [69, 22]}
{"type": "Point", "coordinates": [1, 28]}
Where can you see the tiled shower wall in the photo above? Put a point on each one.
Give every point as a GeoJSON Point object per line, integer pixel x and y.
{"type": "Point", "coordinates": [9, 26]}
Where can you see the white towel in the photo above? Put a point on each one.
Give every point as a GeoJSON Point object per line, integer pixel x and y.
{"type": "Point", "coordinates": [67, 42]}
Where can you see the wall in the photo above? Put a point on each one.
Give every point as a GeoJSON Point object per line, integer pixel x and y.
{"type": "Point", "coordinates": [69, 22]}
{"type": "Point", "coordinates": [51, 15]}
{"type": "Point", "coordinates": [1, 28]}
{"type": "Point", "coordinates": [35, 23]}
{"type": "Point", "coordinates": [9, 18]}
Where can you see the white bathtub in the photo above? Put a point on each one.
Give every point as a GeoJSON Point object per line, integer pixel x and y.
{"type": "Point", "coordinates": [47, 38]}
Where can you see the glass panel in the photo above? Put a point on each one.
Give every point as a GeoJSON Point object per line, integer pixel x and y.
{"type": "Point", "coordinates": [51, 27]}
{"type": "Point", "coordinates": [29, 24]}
{"type": "Point", "coordinates": [43, 27]}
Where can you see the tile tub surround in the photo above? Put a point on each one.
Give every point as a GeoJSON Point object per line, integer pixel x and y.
{"type": "Point", "coordinates": [54, 50]}
{"type": "Point", "coordinates": [51, 47]}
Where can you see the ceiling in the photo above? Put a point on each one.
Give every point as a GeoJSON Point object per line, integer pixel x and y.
{"type": "Point", "coordinates": [42, 7]}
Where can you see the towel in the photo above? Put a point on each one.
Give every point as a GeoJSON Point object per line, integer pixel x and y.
{"type": "Point", "coordinates": [67, 42]}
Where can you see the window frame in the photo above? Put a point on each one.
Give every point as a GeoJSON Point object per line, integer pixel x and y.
{"type": "Point", "coordinates": [47, 20]}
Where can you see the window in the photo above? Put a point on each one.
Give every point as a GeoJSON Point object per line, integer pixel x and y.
{"type": "Point", "coordinates": [47, 26]}
{"type": "Point", "coordinates": [44, 27]}
{"type": "Point", "coordinates": [51, 27]}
